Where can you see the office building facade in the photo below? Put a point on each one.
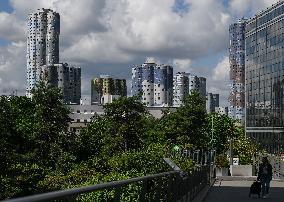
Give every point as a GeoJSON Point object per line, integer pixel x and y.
{"type": "Point", "coordinates": [42, 44]}
{"type": "Point", "coordinates": [180, 88]}
{"type": "Point", "coordinates": [264, 64]}
{"type": "Point", "coordinates": [154, 83]}
{"type": "Point", "coordinates": [197, 84]}
{"type": "Point", "coordinates": [237, 70]}
{"type": "Point", "coordinates": [68, 79]}
{"type": "Point", "coordinates": [212, 102]}
{"type": "Point", "coordinates": [105, 89]}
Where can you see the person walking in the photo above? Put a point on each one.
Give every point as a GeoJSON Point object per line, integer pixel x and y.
{"type": "Point", "coordinates": [265, 176]}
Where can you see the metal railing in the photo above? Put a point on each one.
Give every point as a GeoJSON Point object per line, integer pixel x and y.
{"type": "Point", "coordinates": [199, 156]}
{"type": "Point", "coordinates": [168, 186]}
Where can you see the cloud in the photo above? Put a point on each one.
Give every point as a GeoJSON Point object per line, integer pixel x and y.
{"type": "Point", "coordinates": [13, 68]}
{"type": "Point", "coordinates": [221, 71]}
{"type": "Point", "coordinates": [242, 7]}
{"type": "Point", "coordinates": [182, 65]}
{"type": "Point", "coordinates": [109, 36]}
{"type": "Point", "coordinates": [11, 28]}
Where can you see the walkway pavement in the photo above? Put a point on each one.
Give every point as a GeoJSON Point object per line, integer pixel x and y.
{"type": "Point", "coordinates": [238, 190]}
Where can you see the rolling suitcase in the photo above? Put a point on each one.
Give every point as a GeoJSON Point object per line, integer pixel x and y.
{"type": "Point", "coordinates": [255, 188]}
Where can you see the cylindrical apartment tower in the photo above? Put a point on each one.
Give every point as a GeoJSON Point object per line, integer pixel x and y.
{"type": "Point", "coordinates": [148, 83]}
{"type": "Point", "coordinates": [163, 85]}
{"type": "Point", "coordinates": [52, 38]}
{"type": "Point", "coordinates": [180, 88]}
{"type": "Point", "coordinates": [42, 44]}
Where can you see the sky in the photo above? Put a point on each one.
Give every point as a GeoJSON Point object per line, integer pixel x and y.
{"type": "Point", "coordinates": [111, 36]}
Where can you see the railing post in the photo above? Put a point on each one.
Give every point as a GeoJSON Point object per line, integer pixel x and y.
{"type": "Point", "coordinates": [158, 192]}
{"type": "Point", "coordinates": [169, 189]}
{"type": "Point", "coordinates": [71, 198]}
{"type": "Point", "coordinates": [117, 194]}
{"type": "Point", "coordinates": [143, 191]}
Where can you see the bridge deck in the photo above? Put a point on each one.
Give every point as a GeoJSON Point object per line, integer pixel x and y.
{"type": "Point", "coordinates": [238, 190]}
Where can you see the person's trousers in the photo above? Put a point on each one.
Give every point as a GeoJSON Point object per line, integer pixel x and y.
{"type": "Point", "coordinates": [265, 185]}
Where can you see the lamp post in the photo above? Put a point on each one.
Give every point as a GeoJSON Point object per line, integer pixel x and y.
{"type": "Point", "coordinates": [236, 124]}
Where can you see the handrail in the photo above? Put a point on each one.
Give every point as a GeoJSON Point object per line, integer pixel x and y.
{"type": "Point", "coordinates": [77, 191]}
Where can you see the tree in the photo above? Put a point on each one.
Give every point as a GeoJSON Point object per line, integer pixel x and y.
{"type": "Point", "coordinates": [33, 139]}
{"type": "Point", "coordinates": [186, 125]}
{"type": "Point", "coordinates": [124, 126]}
{"type": "Point", "coordinates": [223, 128]}
{"type": "Point", "coordinates": [51, 122]}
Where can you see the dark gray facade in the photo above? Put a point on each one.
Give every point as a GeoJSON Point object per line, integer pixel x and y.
{"type": "Point", "coordinates": [265, 78]}
{"type": "Point", "coordinates": [75, 84]}
{"type": "Point", "coordinates": [212, 102]}
{"type": "Point", "coordinates": [68, 79]}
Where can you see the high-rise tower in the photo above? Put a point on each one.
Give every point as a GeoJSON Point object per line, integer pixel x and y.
{"type": "Point", "coordinates": [42, 44]}
{"type": "Point", "coordinates": [197, 84]}
{"type": "Point", "coordinates": [212, 102]}
{"type": "Point", "coordinates": [104, 89]}
{"type": "Point", "coordinates": [237, 70]}
{"type": "Point", "coordinates": [264, 40]}
{"type": "Point", "coordinates": [154, 82]}
{"type": "Point", "coordinates": [180, 88]}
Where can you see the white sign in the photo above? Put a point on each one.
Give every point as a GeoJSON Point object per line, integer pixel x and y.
{"type": "Point", "coordinates": [235, 161]}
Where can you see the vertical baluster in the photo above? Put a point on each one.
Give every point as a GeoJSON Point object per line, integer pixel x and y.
{"type": "Point", "coordinates": [71, 198]}
{"type": "Point", "coordinates": [158, 192]}
{"type": "Point", "coordinates": [143, 191]}
{"type": "Point", "coordinates": [117, 194]}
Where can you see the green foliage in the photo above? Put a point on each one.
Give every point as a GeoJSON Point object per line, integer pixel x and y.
{"type": "Point", "coordinates": [38, 154]}
{"type": "Point", "coordinates": [186, 125]}
{"type": "Point", "coordinates": [222, 161]}
{"type": "Point", "coordinates": [185, 164]}
{"type": "Point", "coordinates": [245, 149]}
{"type": "Point", "coordinates": [32, 139]}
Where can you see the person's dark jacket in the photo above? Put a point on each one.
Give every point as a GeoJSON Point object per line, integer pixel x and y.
{"type": "Point", "coordinates": [260, 171]}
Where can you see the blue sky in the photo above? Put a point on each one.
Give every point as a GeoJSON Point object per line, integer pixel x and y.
{"type": "Point", "coordinates": [193, 37]}
{"type": "Point", "coordinates": [5, 6]}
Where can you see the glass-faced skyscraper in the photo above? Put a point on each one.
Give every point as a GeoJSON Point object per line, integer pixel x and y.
{"type": "Point", "coordinates": [42, 44]}
{"type": "Point", "coordinates": [265, 78]}
{"type": "Point", "coordinates": [237, 70]}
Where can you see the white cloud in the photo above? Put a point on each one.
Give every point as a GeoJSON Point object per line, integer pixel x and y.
{"type": "Point", "coordinates": [221, 71]}
{"type": "Point", "coordinates": [12, 68]}
{"type": "Point", "coordinates": [107, 35]}
{"type": "Point", "coordinates": [242, 7]}
{"type": "Point", "coordinates": [182, 65]}
{"type": "Point", "coordinates": [11, 28]}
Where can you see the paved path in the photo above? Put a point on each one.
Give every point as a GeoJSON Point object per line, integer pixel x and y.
{"type": "Point", "coordinates": [237, 191]}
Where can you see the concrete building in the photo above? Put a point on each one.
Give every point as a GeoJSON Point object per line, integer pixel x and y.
{"type": "Point", "coordinates": [68, 79]}
{"type": "Point", "coordinates": [264, 66]}
{"type": "Point", "coordinates": [42, 44]}
{"type": "Point", "coordinates": [81, 115]}
{"type": "Point", "coordinates": [105, 89]}
{"type": "Point", "coordinates": [154, 82]}
{"type": "Point", "coordinates": [75, 84]}
{"type": "Point", "coordinates": [212, 102]}
{"type": "Point", "coordinates": [180, 88]}
{"type": "Point", "coordinates": [163, 85]}
{"type": "Point", "coordinates": [197, 84]}
{"type": "Point", "coordinates": [237, 70]}
{"type": "Point", "coordinates": [221, 110]}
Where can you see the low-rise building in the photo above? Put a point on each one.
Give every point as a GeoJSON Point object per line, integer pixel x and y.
{"type": "Point", "coordinates": [81, 115]}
